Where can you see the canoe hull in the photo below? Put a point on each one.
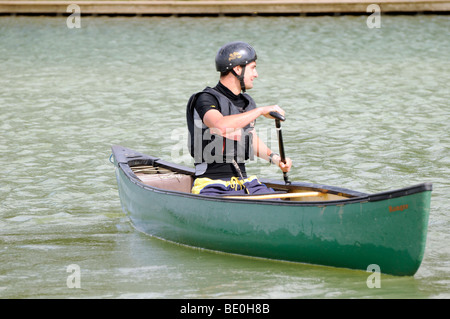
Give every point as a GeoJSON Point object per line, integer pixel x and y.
{"type": "Point", "coordinates": [388, 232]}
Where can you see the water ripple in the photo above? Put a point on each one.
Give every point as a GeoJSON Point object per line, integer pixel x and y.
{"type": "Point", "coordinates": [367, 109]}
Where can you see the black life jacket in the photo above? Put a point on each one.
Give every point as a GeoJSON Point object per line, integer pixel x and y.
{"type": "Point", "coordinates": [206, 147]}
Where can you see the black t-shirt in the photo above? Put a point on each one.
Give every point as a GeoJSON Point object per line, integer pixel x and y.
{"type": "Point", "coordinates": [206, 102]}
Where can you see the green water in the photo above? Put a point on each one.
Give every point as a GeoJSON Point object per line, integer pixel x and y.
{"type": "Point", "coordinates": [368, 109]}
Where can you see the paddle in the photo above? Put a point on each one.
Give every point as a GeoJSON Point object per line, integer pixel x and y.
{"type": "Point", "coordinates": [278, 118]}
{"type": "Point", "coordinates": [273, 196]}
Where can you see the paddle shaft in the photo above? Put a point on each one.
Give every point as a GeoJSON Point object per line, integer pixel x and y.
{"type": "Point", "coordinates": [273, 196]}
{"type": "Point", "coordinates": [281, 146]}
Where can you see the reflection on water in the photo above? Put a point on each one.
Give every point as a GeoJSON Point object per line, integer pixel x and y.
{"type": "Point", "coordinates": [367, 109]}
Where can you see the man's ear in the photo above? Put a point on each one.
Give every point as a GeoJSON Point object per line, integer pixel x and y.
{"type": "Point", "coordinates": [238, 69]}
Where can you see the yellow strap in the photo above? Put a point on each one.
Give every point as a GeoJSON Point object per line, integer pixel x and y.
{"type": "Point", "coordinates": [201, 183]}
{"type": "Point", "coordinates": [235, 182]}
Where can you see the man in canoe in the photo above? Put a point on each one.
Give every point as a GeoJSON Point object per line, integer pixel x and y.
{"type": "Point", "coordinates": [221, 127]}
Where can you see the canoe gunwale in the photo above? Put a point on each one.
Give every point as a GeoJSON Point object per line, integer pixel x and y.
{"type": "Point", "coordinates": [126, 158]}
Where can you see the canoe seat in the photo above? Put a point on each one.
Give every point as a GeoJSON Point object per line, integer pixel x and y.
{"type": "Point", "coordinates": [172, 182]}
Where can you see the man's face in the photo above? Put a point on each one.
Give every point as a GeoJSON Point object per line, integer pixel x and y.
{"type": "Point", "coordinates": [250, 74]}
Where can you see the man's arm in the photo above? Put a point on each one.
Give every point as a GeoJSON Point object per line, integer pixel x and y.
{"type": "Point", "coordinates": [214, 119]}
{"type": "Point", "coordinates": [263, 151]}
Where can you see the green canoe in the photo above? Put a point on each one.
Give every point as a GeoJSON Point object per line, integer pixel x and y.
{"type": "Point", "coordinates": [312, 223]}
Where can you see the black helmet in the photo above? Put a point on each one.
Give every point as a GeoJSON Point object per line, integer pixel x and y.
{"type": "Point", "coordinates": [233, 54]}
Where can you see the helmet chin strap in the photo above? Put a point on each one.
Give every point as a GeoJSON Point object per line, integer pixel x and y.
{"type": "Point", "coordinates": [240, 77]}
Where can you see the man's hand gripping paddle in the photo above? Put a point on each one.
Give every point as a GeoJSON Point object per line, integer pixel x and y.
{"type": "Point", "coordinates": [278, 118]}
